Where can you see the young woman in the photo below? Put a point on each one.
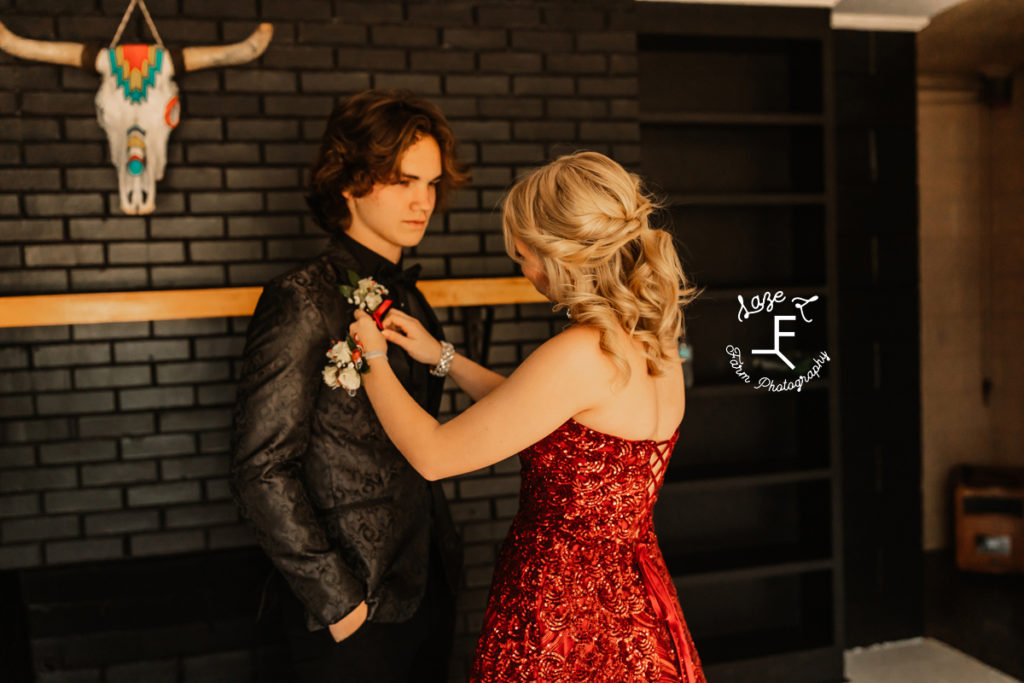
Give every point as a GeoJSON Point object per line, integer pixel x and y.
{"type": "Point", "coordinates": [580, 591]}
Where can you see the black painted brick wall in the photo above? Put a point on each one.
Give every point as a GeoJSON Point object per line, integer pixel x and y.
{"type": "Point", "coordinates": [114, 436]}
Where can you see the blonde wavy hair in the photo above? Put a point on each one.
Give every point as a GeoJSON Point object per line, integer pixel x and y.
{"type": "Point", "coordinates": [588, 221]}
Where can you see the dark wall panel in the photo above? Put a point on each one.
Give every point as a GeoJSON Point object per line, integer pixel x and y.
{"type": "Point", "coordinates": [876, 129]}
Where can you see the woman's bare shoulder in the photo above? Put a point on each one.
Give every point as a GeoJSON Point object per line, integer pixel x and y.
{"type": "Point", "coordinates": [581, 340]}
{"type": "Point", "coordinates": [576, 351]}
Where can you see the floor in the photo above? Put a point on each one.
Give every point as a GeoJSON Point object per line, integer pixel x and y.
{"type": "Point", "coordinates": [918, 660]}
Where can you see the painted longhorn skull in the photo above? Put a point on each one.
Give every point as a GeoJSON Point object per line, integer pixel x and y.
{"type": "Point", "coordinates": [137, 103]}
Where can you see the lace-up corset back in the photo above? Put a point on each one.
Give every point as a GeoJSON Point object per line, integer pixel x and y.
{"type": "Point", "coordinates": [658, 466]}
{"type": "Point", "coordinates": [592, 478]}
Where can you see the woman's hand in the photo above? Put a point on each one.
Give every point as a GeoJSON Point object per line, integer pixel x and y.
{"type": "Point", "coordinates": [351, 622]}
{"type": "Point", "coordinates": [365, 333]}
{"type": "Point", "coordinates": [406, 331]}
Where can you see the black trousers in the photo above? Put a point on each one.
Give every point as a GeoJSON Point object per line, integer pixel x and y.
{"type": "Point", "coordinates": [417, 650]}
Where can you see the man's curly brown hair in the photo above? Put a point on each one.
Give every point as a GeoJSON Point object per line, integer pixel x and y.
{"type": "Point", "coordinates": [363, 144]}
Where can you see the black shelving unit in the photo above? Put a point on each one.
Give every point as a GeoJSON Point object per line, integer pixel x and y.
{"type": "Point", "coordinates": [737, 134]}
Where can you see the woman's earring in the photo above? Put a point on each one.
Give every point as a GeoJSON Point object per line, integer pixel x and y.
{"type": "Point", "coordinates": [568, 314]}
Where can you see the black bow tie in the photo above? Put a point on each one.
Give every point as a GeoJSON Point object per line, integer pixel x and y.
{"type": "Point", "coordinates": [394, 275]}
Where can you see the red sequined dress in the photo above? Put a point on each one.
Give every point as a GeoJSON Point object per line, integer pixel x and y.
{"type": "Point", "coordinates": [581, 591]}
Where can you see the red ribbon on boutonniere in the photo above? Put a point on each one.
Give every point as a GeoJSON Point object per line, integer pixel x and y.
{"type": "Point", "coordinates": [378, 314]}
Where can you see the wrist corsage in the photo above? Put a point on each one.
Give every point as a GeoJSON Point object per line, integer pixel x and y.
{"type": "Point", "coordinates": [345, 366]}
{"type": "Point", "coordinates": [368, 295]}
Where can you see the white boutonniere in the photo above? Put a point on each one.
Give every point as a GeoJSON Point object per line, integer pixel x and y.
{"type": "Point", "coordinates": [368, 295]}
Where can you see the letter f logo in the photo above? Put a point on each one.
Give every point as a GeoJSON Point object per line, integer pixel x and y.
{"type": "Point", "coordinates": [778, 333]}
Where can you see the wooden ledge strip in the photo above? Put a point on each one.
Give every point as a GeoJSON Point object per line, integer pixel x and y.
{"type": "Point", "coordinates": [117, 307]}
{"type": "Point", "coordinates": [175, 304]}
{"type": "Point", "coordinates": [485, 291]}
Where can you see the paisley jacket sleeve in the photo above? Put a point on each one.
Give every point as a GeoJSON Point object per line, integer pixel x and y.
{"type": "Point", "coordinates": [280, 378]}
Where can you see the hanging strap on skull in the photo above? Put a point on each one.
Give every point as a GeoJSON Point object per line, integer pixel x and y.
{"type": "Point", "coordinates": [128, 14]}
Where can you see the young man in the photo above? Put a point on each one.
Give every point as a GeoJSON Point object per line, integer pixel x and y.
{"type": "Point", "coordinates": [365, 545]}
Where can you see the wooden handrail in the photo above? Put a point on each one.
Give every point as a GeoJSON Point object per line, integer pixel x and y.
{"type": "Point", "coordinates": [175, 304]}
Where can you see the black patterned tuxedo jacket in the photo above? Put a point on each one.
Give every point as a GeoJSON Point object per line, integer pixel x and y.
{"type": "Point", "coordinates": [337, 508]}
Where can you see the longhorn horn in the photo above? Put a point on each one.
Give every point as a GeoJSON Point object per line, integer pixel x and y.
{"type": "Point", "coordinates": [208, 56]}
{"type": "Point", "coordinates": [55, 52]}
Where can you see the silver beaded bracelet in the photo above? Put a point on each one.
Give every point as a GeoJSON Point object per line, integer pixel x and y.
{"type": "Point", "coordinates": [375, 354]}
{"type": "Point", "coordinates": [447, 353]}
